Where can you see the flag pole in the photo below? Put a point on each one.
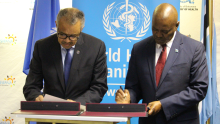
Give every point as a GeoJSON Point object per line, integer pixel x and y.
{"type": "Point", "coordinates": [210, 35]}
{"type": "Point", "coordinates": [210, 27]}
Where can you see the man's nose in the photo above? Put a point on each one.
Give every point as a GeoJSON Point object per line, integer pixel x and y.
{"type": "Point", "coordinates": [158, 34]}
{"type": "Point", "coordinates": [67, 40]}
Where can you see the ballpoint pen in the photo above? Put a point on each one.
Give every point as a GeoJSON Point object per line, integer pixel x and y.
{"type": "Point", "coordinates": [121, 88]}
{"type": "Point", "coordinates": [148, 108]}
{"type": "Point", "coordinates": [123, 91]}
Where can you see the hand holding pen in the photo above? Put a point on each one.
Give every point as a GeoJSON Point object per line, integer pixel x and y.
{"type": "Point", "coordinates": [122, 96]}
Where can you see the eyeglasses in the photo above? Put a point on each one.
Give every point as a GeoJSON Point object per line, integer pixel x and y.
{"type": "Point", "coordinates": [71, 37]}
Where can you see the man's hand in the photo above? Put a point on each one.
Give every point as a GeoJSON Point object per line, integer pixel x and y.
{"type": "Point", "coordinates": [39, 98]}
{"type": "Point", "coordinates": [155, 107]}
{"type": "Point", "coordinates": [122, 96]}
{"type": "Point", "coordinates": [70, 100]}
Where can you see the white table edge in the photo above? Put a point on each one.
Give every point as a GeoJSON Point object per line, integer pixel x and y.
{"type": "Point", "coordinates": [79, 118]}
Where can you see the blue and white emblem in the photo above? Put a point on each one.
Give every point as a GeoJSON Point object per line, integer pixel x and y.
{"type": "Point", "coordinates": [126, 20]}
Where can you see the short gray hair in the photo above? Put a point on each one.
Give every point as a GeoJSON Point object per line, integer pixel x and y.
{"type": "Point", "coordinates": [72, 16]}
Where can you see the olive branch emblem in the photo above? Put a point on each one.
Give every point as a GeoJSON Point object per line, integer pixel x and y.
{"type": "Point", "coordinates": [112, 33]}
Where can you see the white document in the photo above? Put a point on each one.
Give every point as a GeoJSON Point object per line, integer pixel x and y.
{"type": "Point", "coordinates": [48, 97]}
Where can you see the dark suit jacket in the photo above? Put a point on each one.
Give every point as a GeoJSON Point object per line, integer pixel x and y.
{"type": "Point", "coordinates": [88, 75]}
{"type": "Point", "coordinates": [183, 83]}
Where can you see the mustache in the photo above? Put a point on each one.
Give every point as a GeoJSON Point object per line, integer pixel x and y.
{"type": "Point", "coordinates": [159, 39]}
{"type": "Point", "coordinates": [155, 37]}
{"type": "Point", "coordinates": [63, 42]}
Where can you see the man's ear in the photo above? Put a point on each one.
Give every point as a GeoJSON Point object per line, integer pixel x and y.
{"type": "Point", "coordinates": [82, 28]}
{"type": "Point", "coordinates": [177, 24]}
{"type": "Point", "coordinates": [56, 23]}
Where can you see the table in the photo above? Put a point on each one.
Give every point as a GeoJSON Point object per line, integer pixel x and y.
{"type": "Point", "coordinates": [73, 119]}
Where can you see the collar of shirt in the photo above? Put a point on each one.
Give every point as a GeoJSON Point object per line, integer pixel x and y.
{"type": "Point", "coordinates": [65, 49]}
{"type": "Point", "coordinates": [63, 53]}
{"type": "Point", "coordinates": [169, 44]}
{"type": "Point", "coordinates": [159, 48]}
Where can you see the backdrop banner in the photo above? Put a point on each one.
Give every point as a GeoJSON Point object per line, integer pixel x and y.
{"type": "Point", "coordinates": [120, 24]}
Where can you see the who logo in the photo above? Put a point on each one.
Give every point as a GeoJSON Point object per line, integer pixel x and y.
{"type": "Point", "coordinates": [126, 20]}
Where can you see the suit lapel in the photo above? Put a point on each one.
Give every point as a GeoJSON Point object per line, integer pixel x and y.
{"type": "Point", "coordinates": [76, 60]}
{"type": "Point", "coordinates": [173, 54]}
{"type": "Point", "coordinates": [150, 55]}
{"type": "Point", "coordinates": [57, 59]}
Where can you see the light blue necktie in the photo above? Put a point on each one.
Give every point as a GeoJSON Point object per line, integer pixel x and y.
{"type": "Point", "coordinates": [67, 65]}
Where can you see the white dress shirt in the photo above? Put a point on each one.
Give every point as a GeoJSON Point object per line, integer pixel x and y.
{"type": "Point", "coordinates": [159, 48]}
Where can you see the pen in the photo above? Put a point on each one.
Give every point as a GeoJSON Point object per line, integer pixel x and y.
{"type": "Point", "coordinates": [148, 108]}
{"type": "Point", "coordinates": [121, 88]}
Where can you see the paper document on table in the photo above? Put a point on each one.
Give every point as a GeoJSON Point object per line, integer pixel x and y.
{"type": "Point", "coordinates": [48, 97]}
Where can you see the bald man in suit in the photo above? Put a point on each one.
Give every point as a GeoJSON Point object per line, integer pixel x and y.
{"type": "Point", "coordinates": [168, 71]}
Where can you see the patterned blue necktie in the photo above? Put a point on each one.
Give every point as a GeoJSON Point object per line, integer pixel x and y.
{"type": "Point", "coordinates": [67, 65]}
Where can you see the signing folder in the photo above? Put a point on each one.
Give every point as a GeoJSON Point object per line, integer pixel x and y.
{"type": "Point", "coordinates": [49, 108]}
{"type": "Point", "coordinates": [115, 110]}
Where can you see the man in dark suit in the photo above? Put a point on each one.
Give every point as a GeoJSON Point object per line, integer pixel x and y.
{"type": "Point", "coordinates": [168, 71]}
{"type": "Point", "coordinates": [72, 64]}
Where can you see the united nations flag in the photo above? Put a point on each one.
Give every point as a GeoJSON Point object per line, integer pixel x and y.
{"type": "Point", "coordinates": [42, 25]}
